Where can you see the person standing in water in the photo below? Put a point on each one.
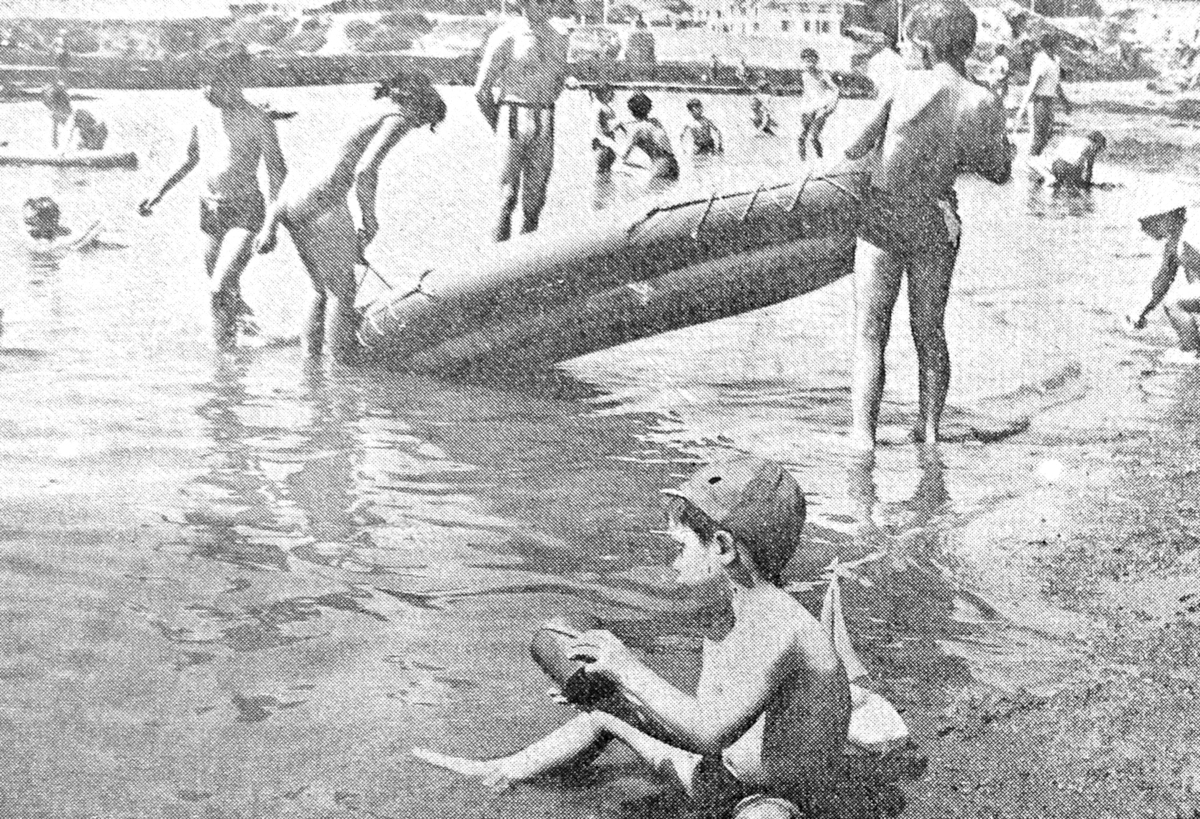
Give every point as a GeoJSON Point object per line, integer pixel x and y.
{"type": "Point", "coordinates": [818, 99]}
{"type": "Point", "coordinates": [232, 138]}
{"type": "Point", "coordinates": [701, 134]}
{"type": "Point", "coordinates": [605, 125]}
{"type": "Point", "coordinates": [761, 116]}
{"type": "Point", "coordinates": [523, 71]}
{"type": "Point", "coordinates": [936, 124]}
{"type": "Point", "coordinates": [1044, 90]}
{"type": "Point", "coordinates": [647, 135]}
{"type": "Point", "coordinates": [1181, 248]}
{"type": "Point", "coordinates": [316, 208]}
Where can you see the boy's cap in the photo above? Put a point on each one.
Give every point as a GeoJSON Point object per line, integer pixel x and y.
{"type": "Point", "coordinates": [754, 499]}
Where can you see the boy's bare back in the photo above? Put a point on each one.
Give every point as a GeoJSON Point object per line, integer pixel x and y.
{"type": "Point", "coordinates": [231, 141]}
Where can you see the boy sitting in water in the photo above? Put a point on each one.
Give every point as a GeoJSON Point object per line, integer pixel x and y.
{"type": "Point", "coordinates": [1071, 162]}
{"type": "Point", "coordinates": [701, 133]}
{"type": "Point", "coordinates": [772, 706]}
{"type": "Point", "coordinates": [45, 234]}
{"type": "Point", "coordinates": [314, 205]}
{"type": "Point", "coordinates": [647, 134]}
{"type": "Point", "coordinates": [1181, 248]}
{"type": "Point", "coordinates": [93, 133]}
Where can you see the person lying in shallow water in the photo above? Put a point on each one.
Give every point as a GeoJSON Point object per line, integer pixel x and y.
{"type": "Point", "coordinates": [46, 235]}
{"type": "Point", "coordinates": [315, 208]}
{"type": "Point", "coordinates": [772, 707]}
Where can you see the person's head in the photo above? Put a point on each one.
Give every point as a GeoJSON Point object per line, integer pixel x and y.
{"type": "Point", "coordinates": [695, 107]}
{"type": "Point", "coordinates": [413, 92]}
{"type": "Point", "coordinates": [42, 215]}
{"type": "Point", "coordinates": [810, 57]}
{"type": "Point", "coordinates": [603, 92]}
{"type": "Point", "coordinates": [738, 516]}
{"type": "Point", "coordinates": [539, 11]}
{"type": "Point", "coordinates": [1048, 43]}
{"type": "Point", "coordinates": [226, 68]}
{"type": "Point", "coordinates": [84, 118]}
{"type": "Point", "coordinates": [640, 105]}
{"type": "Point", "coordinates": [943, 31]}
{"type": "Point", "coordinates": [1099, 143]}
{"type": "Point", "coordinates": [1165, 224]}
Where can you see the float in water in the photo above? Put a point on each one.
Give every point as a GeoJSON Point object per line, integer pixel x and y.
{"type": "Point", "coordinates": [547, 298]}
{"type": "Point", "coordinates": [71, 159]}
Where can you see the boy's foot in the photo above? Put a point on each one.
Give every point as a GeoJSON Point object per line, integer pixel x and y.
{"type": "Point", "coordinates": [487, 771]}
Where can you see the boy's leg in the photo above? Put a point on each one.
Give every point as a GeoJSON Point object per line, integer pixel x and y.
{"type": "Point", "coordinates": [876, 284]}
{"type": "Point", "coordinates": [535, 181]}
{"type": "Point", "coordinates": [1042, 126]}
{"type": "Point", "coordinates": [928, 292]}
{"type": "Point", "coordinates": [236, 248]}
{"type": "Point", "coordinates": [328, 247]}
{"type": "Point", "coordinates": [806, 122]}
{"type": "Point", "coordinates": [817, 127]}
{"type": "Point", "coordinates": [512, 161]}
{"type": "Point", "coordinates": [1184, 322]}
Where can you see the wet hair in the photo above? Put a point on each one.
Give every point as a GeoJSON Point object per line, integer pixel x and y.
{"type": "Point", "coordinates": [809, 54]}
{"type": "Point", "coordinates": [640, 105]}
{"type": "Point", "coordinates": [412, 88]}
{"type": "Point", "coordinates": [1098, 139]}
{"type": "Point", "coordinates": [1156, 223]}
{"type": "Point", "coordinates": [45, 208]}
{"type": "Point", "coordinates": [947, 27]}
{"type": "Point", "coordinates": [694, 104]}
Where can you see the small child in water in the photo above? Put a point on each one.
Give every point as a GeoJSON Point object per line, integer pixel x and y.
{"type": "Point", "coordinates": [760, 111]}
{"type": "Point", "coordinates": [648, 135]}
{"type": "Point", "coordinates": [770, 714]}
{"type": "Point", "coordinates": [604, 121]}
{"type": "Point", "coordinates": [1071, 162]}
{"type": "Point", "coordinates": [1181, 248]}
{"type": "Point", "coordinates": [701, 133]}
{"type": "Point", "coordinates": [45, 233]}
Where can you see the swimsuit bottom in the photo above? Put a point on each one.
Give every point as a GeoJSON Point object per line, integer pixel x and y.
{"type": "Point", "coordinates": [704, 146]}
{"type": "Point", "coordinates": [715, 790]}
{"type": "Point", "coordinates": [1065, 171]}
{"type": "Point", "coordinates": [219, 216]}
{"type": "Point", "coordinates": [605, 156]}
{"type": "Point", "coordinates": [527, 121]}
{"type": "Point", "coordinates": [907, 226]}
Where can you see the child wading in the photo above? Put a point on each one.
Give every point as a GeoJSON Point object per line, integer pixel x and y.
{"type": "Point", "coordinates": [701, 136]}
{"type": "Point", "coordinates": [314, 206]}
{"type": "Point", "coordinates": [1181, 248]}
{"type": "Point", "coordinates": [772, 707]}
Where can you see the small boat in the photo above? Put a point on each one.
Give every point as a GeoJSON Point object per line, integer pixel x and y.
{"type": "Point", "coordinates": [546, 298]}
{"type": "Point", "coordinates": [72, 159]}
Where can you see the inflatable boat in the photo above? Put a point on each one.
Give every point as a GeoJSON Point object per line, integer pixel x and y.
{"type": "Point", "coordinates": [545, 299]}
{"type": "Point", "coordinates": [73, 159]}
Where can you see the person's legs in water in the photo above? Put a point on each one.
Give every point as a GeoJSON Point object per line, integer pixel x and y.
{"type": "Point", "coordinates": [329, 250]}
{"type": "Point", "coordinates": [877, 274]}
{"type": "Point", "coordinates": [1042, 125]}
{"type": "Point", "coordinates": [806, 124]}
{"type": "Point", "coordinates": [928, 290]}
{"type": "Point", "coordinates": [236, 249]}
{"type": "Point", "coordinates": [512, 167]}
{"type": "Point", "coordinates": [539, 162]}
{"type": "Point", "coordinates": [818, 125]}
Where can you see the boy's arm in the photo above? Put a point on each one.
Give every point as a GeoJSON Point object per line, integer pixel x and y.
{"type": "Point", "coordinates": [703, 725]}
{"type": "Point", "coordinates": [366, 178]}
{"type": "Point", "coordinates": [1087, 172]}
{"type": "Point", "coordinates": [1062, 95]}
{"type": "Point", "coordinates": [495, 58]}
{"type": "Point", "coordinates": [986, 147]}
{"type": "Point", "coordinates": [193, 159]}
{"type": "Point", "coordinates": [1162, 283]}
{"type": "Point", "coordinates": [872, 135]}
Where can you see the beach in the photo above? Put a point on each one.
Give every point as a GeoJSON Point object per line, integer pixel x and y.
{"type": "Point", "coordinates": [233, 585]}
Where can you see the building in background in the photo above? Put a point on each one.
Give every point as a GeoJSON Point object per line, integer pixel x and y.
{"type": "Point", "coordinates": [807, 20]}
{"type": "Point", "coordinates": [139, 28]}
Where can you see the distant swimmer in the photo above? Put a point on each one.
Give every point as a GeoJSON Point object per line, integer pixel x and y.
{"type": "Point", "coordinates": [523, 71]}
{"type": "Point", "coordinates": [817, 101]}
{"type": "Point", "coordinates": [86, 133]}
{"type": "Point", "coordinates": [58, 100]}
{"type": "Point", "coordinates": [1071, 162]}
{"type": "Point", "coordinates": [46, 235]}
{"type": "Point", "coordinates": [231, 139]}
{"type": "Point", "coordinates": [647, 135]}
{"type": "Point", "coordinates": [1181, 248]}
{"type": "Point", "coordinates": [605, 127]}
{"type": "Point", "coordinates": [761, 116]}
{"type": "Point", "coordinates": [936, 124]}
{"type": "Point", "coordinates": [1044, 90]}
{"type": "Point", "coordinates": [315, 207]}
{"type": "Point", "coordinates": [701, 135]}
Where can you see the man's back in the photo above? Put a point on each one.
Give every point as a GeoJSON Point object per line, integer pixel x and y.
{"type": "Point", "coordinates": [534, 62]}
{"type": "Point", "coordinates": [231, 145]}
{"type": "Point", "coordinates": [940, 123]}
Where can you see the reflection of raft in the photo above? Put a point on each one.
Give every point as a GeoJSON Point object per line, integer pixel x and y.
{"type": "Point", "coordinates": [77, 159]}
{"type": "Point", "coordinates": [546, 299]}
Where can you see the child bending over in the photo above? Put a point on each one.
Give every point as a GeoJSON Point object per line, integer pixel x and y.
{"type": "Point", "coordinates": [647, 134]}
{"type": "Point", "coordinates": [1181, 248]}
{"type": "Point", "coordinates": [1072, 161]}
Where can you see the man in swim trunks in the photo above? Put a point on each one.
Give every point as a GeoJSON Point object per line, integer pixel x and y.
{"type": "Point", "coordinates": [817, 101]}
{"type": "Point", "coordinates": [647, 135]}
{"type": "Point", "coordinates": [701, 133]}
{"type": "Point", "coordinates": [523, 71]}
{"type": "Point", "coordinates": [1045, 89]}
{"type": "Point", "coordinates": [936, 124]}
{"type": "Point", "coordinates": [315, 207]}
{"type": "Point", "coordinates": [1072, 161]}
{"type": "Point", "coordinates": [1181, 248]}
{"type": "Point", "coordinates": [233, 136]}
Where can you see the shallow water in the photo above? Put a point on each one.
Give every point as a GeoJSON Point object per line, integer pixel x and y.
{"type": "Point", "coordinates": [240, 586]}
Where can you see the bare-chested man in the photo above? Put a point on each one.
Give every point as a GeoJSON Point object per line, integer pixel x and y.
{"type": "Point", "coordinates": [230, 140]}
{"type": "Point", "coordinates": [523, 71]}
{"type": "Point", "coordinates": [936, 124]}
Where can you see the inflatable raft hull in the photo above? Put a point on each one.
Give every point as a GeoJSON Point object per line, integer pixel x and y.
{"type": "Point", "coordinates": [548, 299]}
{"type": "Point", "coordinates": [78, 159]}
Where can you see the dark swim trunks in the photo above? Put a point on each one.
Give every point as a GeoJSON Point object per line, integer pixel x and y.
{"type": "Point", "coordinates": [716, 791]}
{"type": "Point", "coordinates": [905, 227]}
{"type": "Point", "coordinates": [1066, 173]}
{"type": "Point", "coordinates": [219, 216]}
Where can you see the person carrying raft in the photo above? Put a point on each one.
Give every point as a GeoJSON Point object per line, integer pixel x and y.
{"type": "Point", "coordinates": [772, 709]}
{"type": "Point", "coordinates": [58, 100]}
{"type": "Point", "coordinates": [315, 208]}
{"type": "Point", "coordinates": [936, 124]}
{"type": "Point", "coordinates": [1181, 248]}
{"type": "Point", "coordinates": [647, 134]}
{"type": "Point", "coordinates": [231, 139]}
{"type": "Point", "coordinates": [702, 134]}
{"type": "Point", "coordinates": [523, 71]}
{"type": "Point", "coordinates": [817, 101]}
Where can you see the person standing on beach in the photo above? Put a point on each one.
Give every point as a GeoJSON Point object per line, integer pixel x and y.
{"type": "Point", "coordinates": [523, 71]}
{"type": "Point", "coordinates": [231, 139]}
{"type": "Point", "coordinates": [58, 100]}
{"type": "Point", "coordinates": [315, 208]}
{"type": "Point", "coordinates": [1044, 90]}
{"type": "Point", "coordinates": [937, 123]}
{"type": "Point", "coordinates": [817, 101]}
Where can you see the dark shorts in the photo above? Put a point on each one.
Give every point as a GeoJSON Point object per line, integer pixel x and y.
{"type": "Point", "coordinates": [716, 791]}
{"type": "Point", "coordinates": [1066, 173]}
{"type": "Point", "coordinates": [219, 216]}
{"type": "Point", "coordinates": [605, 156]}
{"type": "Point", "coordinates": [903, 227]}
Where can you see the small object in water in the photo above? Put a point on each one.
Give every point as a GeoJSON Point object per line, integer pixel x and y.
{"type": "Point", "coordinates": [550, 649]}
{"type": "Point", "coordinates": [1050, 470]}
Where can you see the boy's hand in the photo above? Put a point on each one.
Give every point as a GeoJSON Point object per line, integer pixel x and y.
{"type": "Point", "coordinates": [603, 653]}
{"type": "Point", "coordinates": [146, 207]}
{"type": "Point", "coordinates": [1140, 323]}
